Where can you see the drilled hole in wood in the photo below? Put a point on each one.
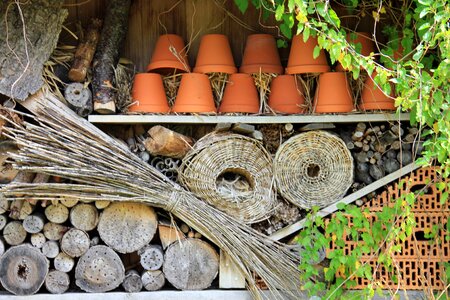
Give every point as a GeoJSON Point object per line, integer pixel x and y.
{"type": "Point", "coordinates": [313, 170]}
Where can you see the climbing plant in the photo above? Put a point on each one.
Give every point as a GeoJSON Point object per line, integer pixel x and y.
{"type": "Point", "coordinates": [415, 60]}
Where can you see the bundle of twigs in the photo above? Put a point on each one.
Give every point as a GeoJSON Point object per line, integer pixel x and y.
{"type": "Point", "coordinates": [262, 82]}
{"type": "Point", "coordinates": [62, 144]}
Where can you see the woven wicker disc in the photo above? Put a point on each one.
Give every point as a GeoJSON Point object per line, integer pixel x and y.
{"type": "Point", "coordinates": [232, 173]}
{"type": "Point", "coordinates": [313, 169]}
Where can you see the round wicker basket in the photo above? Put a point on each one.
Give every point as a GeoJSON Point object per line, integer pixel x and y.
{"type": "Point", "coordinates": [233, 173]}
{"type": "Point", "coordinates": [313, 169]}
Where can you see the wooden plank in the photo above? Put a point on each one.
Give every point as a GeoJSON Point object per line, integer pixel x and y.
{"type": "Point", "coordinates": [229, 275]}
{"type": "Point", "coordinates": [346, 200]}
{"type": "Point", "coordinates": [203, 119]}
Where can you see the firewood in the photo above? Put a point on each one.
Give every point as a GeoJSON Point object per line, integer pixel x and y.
{"type": "Point", "coordinates": [53, 231]}
{"type": "Point", "coordinates": [127, 226]}
{"type": "Point", "coordinates": [397, 130]}
{"type": "Point", "coordinates": [257, 135]}
{"type": "Point", "coordinates": [410, 138]}
{"type": "Point", "coordinates": [34, 223]}
{"type": "Point", "coordinates": [358, 144]}
{"type": "Point", "coordinates": [57, 282]}
{"type": "Point", "coordinates": [50, 249]}
{"type": "Point", "coordinates": [4, 205]}
{"type": "Point", "coordinates": [190, 264]}
{"type": "Point", "coordinates": [153, 280]}
{"type": "Point", "coordinates": [85, 51]}
{"type": "Point", "coordinates": [391, 153]}
{"type": "Point", "coordinates": [365, 148]}
{"type": "Point", "coordinates": [391, 165]}
{"type": "Point", "coordinates": [132, 282]}
{"type": "Point", "coordinates": [75, 242]}
{"type": "Point", "coordinates": [184, 228]}
{"type": "Point", "coordinates": [102, 204]}
{"type": "Point", "coordinates": [14, 233]}
{"type": "Point", "coordinates": [38, 240]}
{"type": "Point", "coordinates": [243, 128]}
{"type": "Point", "coordinates": [95, 241]}
{"type": "Point", "coordinates": [107, 55]}
{"type": "Point", "coordinates": [69, 202]}
{"type": "Point", "coordinates": [404, 157]}
{"type": "Point", "coordinates": [376, 172]}
{"type": "Point", "coordinates": [63, 262]}
{"type": "Point", "coordinates": [84, 216]}
{"type": "Point", "coordinates": [413, 130]}
{"type": "Point", "coordinates": [165, 142]}
{"type": "Point", "coordinates": [198, 235]}
{"type": "Point", "coordinates": [57, 213]}
{"type": "Point", "coordinates": [169, 234]}
{"type": "Point", "coordinates": [3, 221]}
{"type": "Point", "coordinates": [406, 146]}
{"type": "Point", "coordinates": [151, 257]}
{"type": "Point", "coordinates": [191, 234]}
{"type": "Point", "coordinates": [99, 270]}
{"type": "Point", "coordinates": [26, 210]}
{"type": "Point", "coordinates": [362, 173]}
{"type": "Point", "coordinates": [361, 157]}
{"type": "Point", "coordinates": [357, 136]}
{"type": "Point", "coordinates": [23, 269]}
{"type": "Point", "coordinates": [79, 98]}
{"type": "Point", "coordinates": [14, 209]}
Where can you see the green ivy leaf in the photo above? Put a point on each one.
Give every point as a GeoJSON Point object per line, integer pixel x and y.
{"type": "Point", "coordinates": [306, 34]}
{"type": "Point", "coordinates": [316, 52]}
{"type": "Point", "coordinates": [286, 31]}
{"type": "Point", "coordinates": [279, 12]}
{"type": "Point", "coordinates": [444, 197]}
{"type": "Point", "coordinates": [242, 5]}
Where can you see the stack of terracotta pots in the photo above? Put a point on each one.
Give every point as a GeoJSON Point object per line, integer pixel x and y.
{"type": "Point", "coordinates": [195, 95]}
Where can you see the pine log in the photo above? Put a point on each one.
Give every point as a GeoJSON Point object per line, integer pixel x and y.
{"type": "Point", "coordinates": [63, 262]}
{"type": "Point", "coordinates": [57, 213]}
{"type": "Point", "coordinates": [50, 249]}
{"type": "Point", "coordinates": [75, 242]}
{"type": "Point", "coordinates": [69, 202]}
{"type": "Point", "coordinates": [191, 264]}
{"type": "Point", "coordinates": [14, 233]}
{"type": "Point", "coordinates": [165, 142]}
{"type": "Point", "coordinates": [85, 51]}
{"type": "Point", "coordinates": [107, 55]}
{"type": "Point", "coordinates": [34, 223]}
{"type": "Point", "coordinates": [153, 280]}
{"type": "Point", "coordinates": [38, 240]}
{"type": "Point", "coordinates": [23, 269]}
{"type": "Point", "coordinates": [84, 216]}
{"type": "Point", "coordinates": [53, 231]}
{"type": "Point", "coordinates": [57, 282]}
{"type": "Point", "coordinates": [79, 98]}
{"type": "Point", "coordinates": [169, 234]}
{"type": "Point", "coordinates": [99, 270]}
{"type": "Point", "coordinates": [132, 282]}
{"type": "Point", "coordinates": [127, 226]}
{"type": "Point", "coordinates": [3, 221]}
{"type": "Point", "coordinates": [151, 257]}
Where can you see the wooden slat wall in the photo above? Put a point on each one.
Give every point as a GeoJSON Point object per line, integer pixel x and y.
{"type": "Point", "coordinates": [189, 18]}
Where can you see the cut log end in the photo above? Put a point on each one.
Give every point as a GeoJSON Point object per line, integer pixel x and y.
{"type": "Point", "coordinates": [105, 108]}
{"type": "Point", "coordinates": [57, 282]}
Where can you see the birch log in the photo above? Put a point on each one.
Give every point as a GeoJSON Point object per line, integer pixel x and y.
{"type": "Point", "coordinates": [84, 216]}
{"type": "Point", "coordinates": [191, 264]}
{"type": "Point", "coordinates": [57, 282]}
{"type": "Point", "coordinates": [14, 233]}
{"type": "Point", "coordinates": [99, 270]}
{"type": "Point", "coordinates": [132, 282]}
{"type": "Point", "coordinates": [126, 226]}
{"type": "Point", "coordinates": [151, 257]}
{"type": "Point", "coordinates": [153, 280]}
{"type": "Point", "coordinates": [23, 270]}
{"type": "Point", "coordinates": [75, 242]}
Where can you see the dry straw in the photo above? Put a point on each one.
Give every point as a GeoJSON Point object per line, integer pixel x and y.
{"type": "Point", "coordinates": [313, 169]}
{"type": "Point", "coordinates": [218, 82]}
{"type": "Point", "coordinates": [309, 84]}
{"type": "Point", "coordinates": [233, 173]}
{"type": "Point", "coordinates": [171, 85]}
{"type": "Point", "coordinates": [262, 82]}
{"type": "Point", "coordinates": [60, 143]}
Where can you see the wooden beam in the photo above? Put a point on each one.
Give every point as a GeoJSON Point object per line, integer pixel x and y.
{"type": "Point", "coordinates": [284, 232]}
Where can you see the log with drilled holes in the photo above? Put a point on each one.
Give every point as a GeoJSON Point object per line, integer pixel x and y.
{"type": "Point", "coordinates": [126, 226]}
{"type": "Point", "coordinates": [38, 240]}
{"type": "Point", "coordinates": [50, 249]}
{"type": "Point", "coordinates": [57, 213]}
{"type": "Point", "coordinates": [57, 282]}
{"type": "Point", "coordinates": [132, 282]}
{"type": "Point", "coordinates": [34, 223]}
{"type": "Point", "coordinates": [23, 269]}
{"type": "Point", "coordinates": [84, 216]}
{"type": "Point", "coordinates": [153, 280]}
{"type": "Point", "coordinates": [14, 233]}
{"type": "Point", "coordinates": [75, 242]}
{"type": "Point", "coordinates": [190, 264]}
{"type": "Point", "coordinates": [79, 98]}
{"type": "Point", "coordinates": [151, 257]}
{"type": "Point", "coordinates": [53, 231]}
{"type": "Point", "coordinates": [63, 262]}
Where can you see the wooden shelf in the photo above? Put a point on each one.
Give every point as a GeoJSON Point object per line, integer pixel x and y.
{"type": "Point", "coordinates": [214, 119]}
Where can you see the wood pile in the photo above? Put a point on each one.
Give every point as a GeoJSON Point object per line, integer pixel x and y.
{"type": "Point", "coordinates": [67, 244]}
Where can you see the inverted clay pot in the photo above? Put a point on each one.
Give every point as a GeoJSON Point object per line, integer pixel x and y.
{"type": "Point", "coordinates": [367, 45]}
{"type": "Point", "coordinates": [286, 96]}
{"type": "Point", "coordinates": [240, 95]}
{"type": "Point", "coordinates": [373, 98]}
{"type": "Point", "coordinates": [301, 59]}
{"type": "Point", "coordinates": [261, 55]}
{"type": "Point", "coordinates": [333, 94]}
{"type": "Point", "coordinates": [194, 95]}
{"type": "Point", "coordinates": [214, 55]}
{"type": "Point", "coordinates": [164, 60]}
{"type": "Point", "coordinates": [148, 94]}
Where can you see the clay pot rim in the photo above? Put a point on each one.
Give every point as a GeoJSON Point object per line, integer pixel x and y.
{"type": "Point", "coordinates": [239, 108]}
{"type": "Point", "coordinates": [167, 64]}
{"type": "Point", "coordinates": [308, 69]}
{"type": "Point", "coordinates": [215, 69]}
{"type": "Point", "coordinates": [255, 69]}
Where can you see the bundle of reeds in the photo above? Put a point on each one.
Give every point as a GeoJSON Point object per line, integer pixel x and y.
{"type": "Point", "coordinates": [60, 143]}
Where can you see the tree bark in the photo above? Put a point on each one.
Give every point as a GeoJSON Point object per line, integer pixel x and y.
{"type": "Point", "coordinates": [107, 55]}
{"type": "Point", "coordinates": [165, 142]}
{"type": "Point", "coordinates": [57, 282]}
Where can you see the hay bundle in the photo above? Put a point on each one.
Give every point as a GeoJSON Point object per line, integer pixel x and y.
{"type": "Point", "coordinates": [313, 169]}
{"type": "Point", "coordinates": [62, 144]}
{"type": "Point", "coordinates": [218, 82]}
{"type": "Point", "coordinates": [262, 82]}
{"type": "Point", "coordinates": [233, 173]}
{"type": "Point", "coordinates": [309, 84]}
{"type": "Point", "coordinates": [171, 85]}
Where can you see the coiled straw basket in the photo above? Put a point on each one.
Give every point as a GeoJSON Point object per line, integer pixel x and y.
{"type": "Point", "coordinates": [313, 169]}
{"type": "Point", "coordinates": [233, 173]}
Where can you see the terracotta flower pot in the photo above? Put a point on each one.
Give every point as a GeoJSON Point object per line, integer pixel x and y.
{"type": "Point", "coordinates": [148, 93]}
{"type": "Point", "coordinates": [261, 55]}
{"type": "Point", "coordinates": [333, 94]}
{"type": "Point", "coordinates": [367, 45]}
{"type": "Point", "coordinates": [214, 55]}
{"type": "Point", "coordinates": [164, 61]}
{"type": "Point", "coordinates": [286, 96]}
{"type": "Point", "coordinates": [194, 95]}
{"type": "Point", "coordinates": [373, 98]}
{"type": "Point", "coordinates": [240, 95]}
{"type": "Point", "coordinates": [301, 59]}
